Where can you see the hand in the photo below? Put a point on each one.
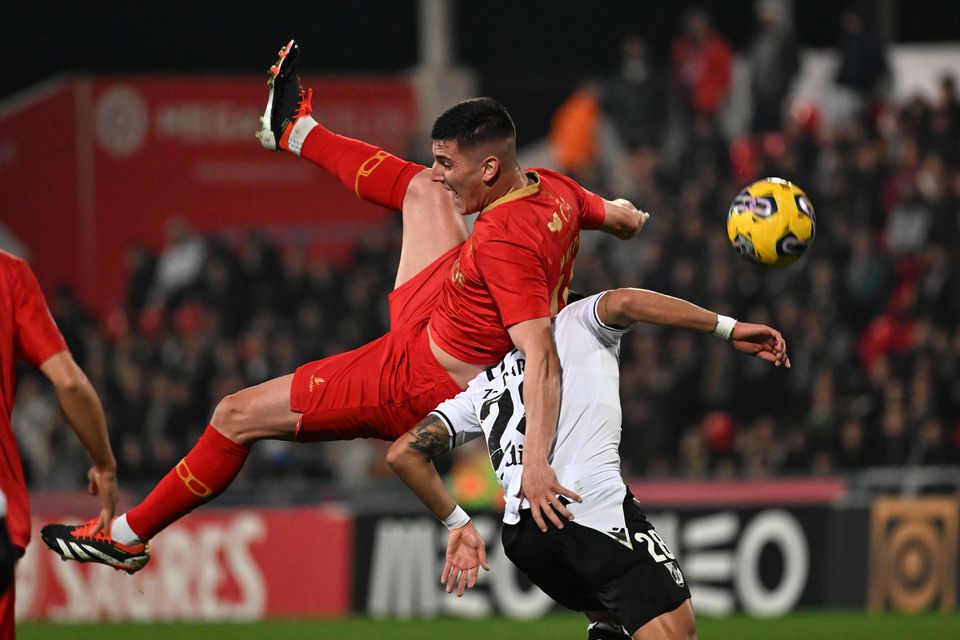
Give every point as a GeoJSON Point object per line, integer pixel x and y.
{"type": "Point", "coordinates": [643, 216]}
{"type": "Point", "coordinates": [466, 553]}
{"type": "Point", "coordinates": [761, 341]}
{"type": "Point", "coordinates": [539, 486]}
{"type": "Point", "coordinates": [103, 483]}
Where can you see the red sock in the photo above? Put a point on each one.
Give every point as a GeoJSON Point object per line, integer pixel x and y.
{"type": "Point", "coordinates": [368, 171]}
{"type": "Point", "coordinates": [202, 475]}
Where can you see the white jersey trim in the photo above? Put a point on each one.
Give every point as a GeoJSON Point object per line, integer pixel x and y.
{"type": "Point", "coordinates": [451, 431]}
{"type": "Point", "coordinates": [601, 323]}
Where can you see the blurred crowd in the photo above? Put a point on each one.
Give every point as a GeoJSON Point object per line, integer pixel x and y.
{"type": "Point", "coordinates": [871, 315]}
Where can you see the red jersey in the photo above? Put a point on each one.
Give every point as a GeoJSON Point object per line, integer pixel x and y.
{"type": "Point", "coordinates": [515, 266]}
{"type": "Point", "coordinates": [27, 332]}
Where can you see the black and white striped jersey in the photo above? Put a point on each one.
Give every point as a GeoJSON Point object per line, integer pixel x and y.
{"type": "Point", "coordinates": [585, 453]}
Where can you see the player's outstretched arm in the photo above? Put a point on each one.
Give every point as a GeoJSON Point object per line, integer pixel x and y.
{"type": "Point", "coordinates": [541, 400]}
{"type": "Point", "coordinates": [622, 219]}
{"type": "Point", "coordinates": [624, 307]}
{"type": "Point", "coordinates": [410, 457]}
{"type": "Point", "coordinates": [83, 410]}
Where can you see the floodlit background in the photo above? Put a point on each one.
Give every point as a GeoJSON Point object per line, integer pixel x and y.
{"type": "Point", "coordinates": [182, 263]}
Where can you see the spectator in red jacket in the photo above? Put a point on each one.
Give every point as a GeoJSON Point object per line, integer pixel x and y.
{"type": "Point", "coordinates": [702, 64]}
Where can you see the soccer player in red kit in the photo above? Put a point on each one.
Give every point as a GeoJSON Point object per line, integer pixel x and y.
{"type": "Point", "coordinates": [459, 303]}
{"type": "Point", "coordinates": [28, 333]}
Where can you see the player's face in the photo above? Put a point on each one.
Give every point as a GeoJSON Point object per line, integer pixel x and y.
{"type": "Point", "coordinates": [460, 173]}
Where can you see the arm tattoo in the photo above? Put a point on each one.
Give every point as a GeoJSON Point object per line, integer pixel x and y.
{"type": "Point", "coordinates": [431, 437]}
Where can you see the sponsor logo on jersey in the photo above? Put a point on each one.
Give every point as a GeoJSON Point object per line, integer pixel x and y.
{"type": "Point", "coordinates": [556, 224]}
{"type": "Point", "coordinates": [455, 275]}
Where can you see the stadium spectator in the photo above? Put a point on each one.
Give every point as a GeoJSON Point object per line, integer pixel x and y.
{"type": "Point", "coordinates": [141, 269]}
{"type": "Point", "coordinates": [704, 157]}
{"type": "Point", "coordinates": [947, 108]}
{"type": "Point", "coordinates": [863, 60]}
{"type": "Point", "coordinates": [908, 225]}
{"type": "Point", "coordinates": [574, 131]}
{"type": "Point", "coordinates": [853, 451]}
{"type": "Point", "coordinates": [635, 100]}
{"type": "Point", "coordinates": [868, 278]}
{"type": "Point", "coordinates": [701, 66]}
{"type": "Point", "coordinates": [179, 264]}
{"type": "Point", "coordinates": [774, 60]}
{"type": "Point", "coordinates": [862, 69]}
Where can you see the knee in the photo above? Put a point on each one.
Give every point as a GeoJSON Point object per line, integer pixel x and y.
{"type": "Point", "coordinates": [232, 418]}
{"type": "Point", "coordinates": [422, 187]}
{"type": "Point", "coordinates": [423, 194]}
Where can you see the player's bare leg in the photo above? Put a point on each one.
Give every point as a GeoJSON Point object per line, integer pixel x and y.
{"type": "Point", "coordinates": [678, 624]}
{"type": "Point", "coordinates": [257, 413]}
{"type": "Point", "coordinates": [239, 420]}
{"type": "Point", "coordinates": [431, 227]}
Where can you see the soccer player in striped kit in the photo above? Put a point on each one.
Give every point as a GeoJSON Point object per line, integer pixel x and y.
{"type": "Point", "coordinates": [607, 560]}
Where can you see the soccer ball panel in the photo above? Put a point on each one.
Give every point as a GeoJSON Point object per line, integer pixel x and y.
{"type": "Point", "coordinates": [771, 222]}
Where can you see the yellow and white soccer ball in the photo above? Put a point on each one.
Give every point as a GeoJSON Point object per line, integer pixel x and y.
{"type": "Point", "coordinates": [771, 222]}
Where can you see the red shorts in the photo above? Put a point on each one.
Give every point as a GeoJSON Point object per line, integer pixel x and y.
{"type": "Point", "coordinates": [384, 388]}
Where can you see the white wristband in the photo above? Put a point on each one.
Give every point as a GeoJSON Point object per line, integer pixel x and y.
{"type": "Point", "coordinates": [724, 327]}
{"type": "Point", "coordinates": [457, 518]}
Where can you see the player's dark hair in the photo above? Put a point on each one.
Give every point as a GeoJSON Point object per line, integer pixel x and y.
{"type": "Point", "coordinates": [473, 122]}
